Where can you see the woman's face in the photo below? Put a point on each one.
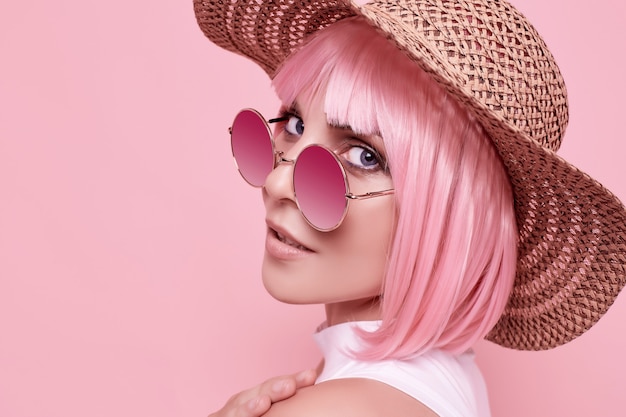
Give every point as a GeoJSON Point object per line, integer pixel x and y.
{"type": "Point", "coordinates": [342, 268]}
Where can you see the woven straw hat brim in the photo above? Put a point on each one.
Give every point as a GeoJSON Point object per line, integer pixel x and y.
{"type": "Point", "coordinates": [572, 231]}
{"type": "Point", "coordinates": [572, 250]}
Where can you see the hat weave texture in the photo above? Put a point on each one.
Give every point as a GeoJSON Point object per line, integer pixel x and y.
{"type": "Point", "coordinates": [485, 53]}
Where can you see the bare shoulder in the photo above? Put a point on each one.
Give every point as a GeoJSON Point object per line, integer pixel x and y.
{"type": "Point", "coordinates": [350, 397]}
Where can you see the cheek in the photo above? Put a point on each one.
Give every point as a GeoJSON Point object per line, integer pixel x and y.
{"type": "Point", "coordinates": [363, 247]}
{"type": "Point", "coordinates": [369, 226]}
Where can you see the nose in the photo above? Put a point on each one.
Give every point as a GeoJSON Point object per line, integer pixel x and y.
{"type": "Point", "coordinates": [279, 182]}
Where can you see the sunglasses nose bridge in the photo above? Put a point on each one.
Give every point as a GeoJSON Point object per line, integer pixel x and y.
{"type": "Point", "coordinates": [279, 159]}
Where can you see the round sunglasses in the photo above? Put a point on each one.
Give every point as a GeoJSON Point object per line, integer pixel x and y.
{"type": "Point", "coordinates": [320, 183]}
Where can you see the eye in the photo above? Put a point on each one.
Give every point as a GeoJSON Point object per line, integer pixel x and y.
{"type": "Point", "coordinates": [362, 157]}
{"type": "Point", "coordinates": [294, 125]}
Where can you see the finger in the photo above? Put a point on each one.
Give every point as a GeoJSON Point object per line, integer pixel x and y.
{"type": "Point", "coordinates": [286, 386]}
{"type": "Point", "coordinates": [255, 407]}
{"type": "Point", "coordinates": [257, 400]}
{"type": "Point", "coordinates": [305, 378]}
{"type": "Point", "coordinates": [281, 388]}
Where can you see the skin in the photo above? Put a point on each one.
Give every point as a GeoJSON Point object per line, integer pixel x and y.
{"type": "Point", "coordinates": [257, 400]}
{"type": "Point", "coordinates": [350, 398]}
{"type": "Point", "coordinates": [342, 269]}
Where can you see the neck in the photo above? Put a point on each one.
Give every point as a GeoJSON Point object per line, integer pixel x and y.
{"type": "Point", "coordinates": [355, 310]}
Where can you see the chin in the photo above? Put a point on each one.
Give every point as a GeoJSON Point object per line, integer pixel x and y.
{"type": "Point", "coordinates": [282, 287]}
{"type": "Point", "coordinates": [288, 297]}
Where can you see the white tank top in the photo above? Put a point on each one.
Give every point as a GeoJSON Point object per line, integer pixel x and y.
{"type": "Point", "coordinates": [450, 385]}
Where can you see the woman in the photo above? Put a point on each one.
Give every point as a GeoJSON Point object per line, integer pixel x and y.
{"type": "Point", "coordinates": [412, 188]}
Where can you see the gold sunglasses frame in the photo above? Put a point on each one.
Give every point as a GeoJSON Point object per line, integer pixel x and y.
{"type": "Point", "coordinates": [279, 159]}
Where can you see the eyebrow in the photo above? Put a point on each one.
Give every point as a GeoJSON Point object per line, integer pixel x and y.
{"type": "Point", "coordinates": [294, 107]}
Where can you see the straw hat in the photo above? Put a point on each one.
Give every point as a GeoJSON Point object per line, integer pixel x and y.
{"type": "Point", "coordinates": [572, 231]}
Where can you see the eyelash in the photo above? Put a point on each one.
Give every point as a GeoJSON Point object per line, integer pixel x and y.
{"type": "Point", "coordinates": [351, 144]}
{"type": "Point", "coordinates": [285, 114]}
{"type": "Point", "coordinates": [283, 117]}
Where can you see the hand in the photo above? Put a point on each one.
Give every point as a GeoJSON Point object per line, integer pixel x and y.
{"type": "Point", "coordinates": [255, 401]}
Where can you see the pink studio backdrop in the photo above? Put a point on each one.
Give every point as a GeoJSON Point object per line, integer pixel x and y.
{"type": "Point", "coordinates": [130, 248]}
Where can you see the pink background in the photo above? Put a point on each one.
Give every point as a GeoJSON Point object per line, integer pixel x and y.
{"type": "Point", "coordinates": [130, 248]}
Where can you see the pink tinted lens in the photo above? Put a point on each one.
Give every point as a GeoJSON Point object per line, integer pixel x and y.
{"type": "Point", "coordinates": [320, 187]}
{"type": "Point", "coordinates": [252, 147]}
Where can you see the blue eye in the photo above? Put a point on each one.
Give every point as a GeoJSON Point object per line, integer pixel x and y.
{"type": "Point", "coordinates": [362, 157]}
{"type": "Point", "coordinates": [294, 126]}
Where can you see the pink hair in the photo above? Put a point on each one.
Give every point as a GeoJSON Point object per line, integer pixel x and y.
{"type": "Point", "coordinates": [452, 261]}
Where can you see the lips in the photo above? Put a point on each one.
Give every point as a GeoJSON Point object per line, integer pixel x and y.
{"type": "Point", "coordinates": [285, 238]}
{"type": "Point", "coordinates": [290, 242]}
